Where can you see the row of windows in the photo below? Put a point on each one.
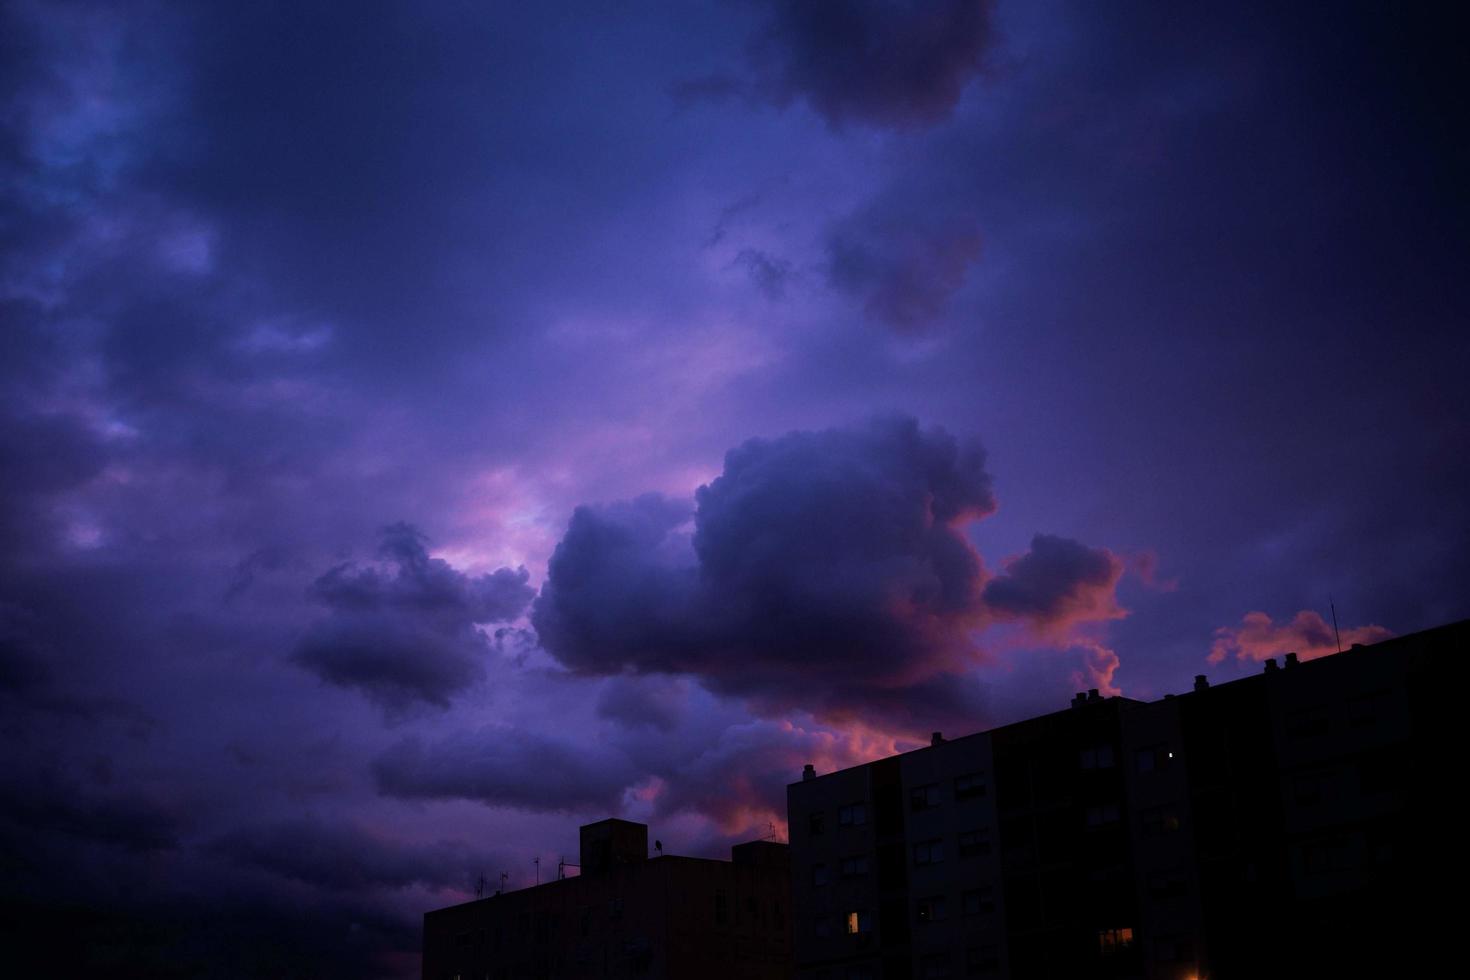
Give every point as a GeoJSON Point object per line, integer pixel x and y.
{"type": "Point", "coordinates": [967, 786]}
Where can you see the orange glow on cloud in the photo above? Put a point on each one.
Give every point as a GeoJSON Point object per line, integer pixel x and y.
{"type": "Point", "coordinates": [1308, 635]}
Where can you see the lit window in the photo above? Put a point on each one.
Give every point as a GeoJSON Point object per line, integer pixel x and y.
{"type": "Point", "coordinates": [1110, 941]}
{"type": "Point", "coordinates": [859, 923]}
{"type": "Point", "coordinates": [969, 785]}
{"type": "Point", "coordinates": [853, 815]}
{"type": "Point", "coordinates": [924, 797]}
{"type": "Point", "coordinates": [929, 852]}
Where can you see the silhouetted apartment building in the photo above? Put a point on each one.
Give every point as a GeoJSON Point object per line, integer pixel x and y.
{"type": "Point", "coordinates": [626, 916]}
{"type": "Point", "coordinates": [1294, 822]}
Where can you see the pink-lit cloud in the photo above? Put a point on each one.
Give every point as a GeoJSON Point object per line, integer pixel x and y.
{"type": "Point", "coordinates": [1307, 635]}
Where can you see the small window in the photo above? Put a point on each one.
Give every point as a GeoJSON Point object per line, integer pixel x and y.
{"type": "Point", "coordinates": [974, 843]}
{"type": "Point", "coordinates": [1111, 941]}
{"type": "Point", "coordinates": [859, 922]}
{"type": "Point", "coordinates": [931, 909]}
{"type": "Point", "coordinates": [1102, 815]}
{"type": "Point", "coordinates": [929, 852]}
{"type": "Point", "coordinates": [1167, 884]}
{"type": "Point", "coordinates": [855, 866]}
{"type": "Point", "coordinates": [1097, 757]}
{"type": "Point", "coordinates": [934, 966]}
{"type": "Point", "coordinates": [816, 823]}
{"type": "Point", "coordinates": [853, 815]}
{"type": "Point", "coordinates": [978, 901]}
{"type": "Point", "coordinates": [1154, 758]}
{"type": "Point", "coordinates": [1159, 820]}
{"type": "Point", "coordinates": [819, 875]}
{"type": "Point", "coordinates": [980, 960]}
{"type": "Point", "coordinates": [969, 785]}
{"type": "Point", "coordinates": [924, 797]}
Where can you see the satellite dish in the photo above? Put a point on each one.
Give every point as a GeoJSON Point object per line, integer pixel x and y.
{"type": "Point", "coordinates": [658, 845]}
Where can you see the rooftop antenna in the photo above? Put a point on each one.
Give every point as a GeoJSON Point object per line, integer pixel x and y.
{"type": "Point", "coordinates": [771, 830]}
{"type": "Point", "coordinates": [501, 889]}
{"type": "Point", "coordinates": [480, 886]}
{"type": "Point", "coordinates": [537, 862]}
{"type": "Point", "coordinates": [658, 846]}
{"type": "Point", "coordinates": [1331, 605]}
{"type": "Point", "coordinates": [561, 868]}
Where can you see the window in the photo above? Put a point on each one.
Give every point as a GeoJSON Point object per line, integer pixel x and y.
{"type": "Point", "coordinates": [1154, 758]}
{"type": "Point", "coordinates": [974, 843]}
{"type": "Point", "coordinates": [1308, 724]}
{"type": "Point", "coordinates": [1102, 814]}
{"type": "Point", "coordinates": [969, 785]}
{"type": "Point", "coordinates": [853, 815]}
{"type": "Point", "coordinates": [859, 922]}
{"type": "Point", "coordinates": [1110, 941]}
{"type": "Point", "coordinates": [819, 875]}
{"type": "Point", "coordinates": [1097, 757]}
{"type": "Point", "coordinates": [929, 852]}
{"type": "Point", "coordinates": [980, 960]}
{"type": "Point", "coordinates": [1326, 856]}
{"type": "Point", "coordinates": [924, 797]}
{"type": "Point", "coordinates": [1159, 820]}
{"type": "Point", "coordinates": [978, 901]}
{"type": "Point", "coordinates": [1166, 884]}
{"type": "Point", "coordinates": [931, 909]}
{"type": "Point", "coordinates": [816, 823]}
{"type": "Point", "coordinates": [934, 966]}
{"type": "Point", "coordinates": [855, 866]}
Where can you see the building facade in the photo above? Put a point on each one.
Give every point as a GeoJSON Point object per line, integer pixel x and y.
{"type": "Point", "coordinates": [626, 916]}
{"type": "Point", "coordinates": [1286, 823]}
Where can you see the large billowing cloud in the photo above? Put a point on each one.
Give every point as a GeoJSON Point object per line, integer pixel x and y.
{"type": "Point", "coordinates": [405, 630]}
{"type": "Point", "coordinates": [1307, 635]}
{"type": "Point", "coordinates": [901, 64]}
{"type": "Point", "coordinates": [505, 766]}
{"type": "Point", "coordinates": [820, 568]}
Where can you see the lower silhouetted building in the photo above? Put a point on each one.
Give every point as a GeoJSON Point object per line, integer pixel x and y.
{"type": "Point", "coordinates": [1292, 823]}
{"type": "Point", "coordinates": [625, 916]}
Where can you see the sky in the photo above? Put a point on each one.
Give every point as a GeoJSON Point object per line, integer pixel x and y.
{"type": "Point", "coordinates": [427, 427]}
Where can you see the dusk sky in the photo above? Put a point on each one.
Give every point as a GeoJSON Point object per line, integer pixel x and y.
{"type": "Point", "coordinates": [427, 427]}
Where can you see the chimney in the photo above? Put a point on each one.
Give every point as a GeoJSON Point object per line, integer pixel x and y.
{"type": "Point", "coordinates": [810, 772]}
{"type": "Point", "coordinates": [1079, 699]}
{"type": "Point", "coordinates": [936, 738]}
{"type": "Point", "coordinates": [1357, 646]}
{"type": "Point", "coordinates": [1270, 664]}
{"type": "Point", "coordinates": [1092, 694]}
{"type": "Point", "coordinates": [1291, 660]}
{"type": "Point", "coordinates": [1201, 682]}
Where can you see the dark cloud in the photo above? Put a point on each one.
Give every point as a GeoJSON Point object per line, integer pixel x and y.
{"type": "Point", "coordinates": [504, 766]}
{"type": "Point", "coordinates": [47, 803]}
{"type": "Point", "coordinates": [825, 568]}
{"type": "Point", "coordinates": [405, 630]}
{"type": "Point", "coordinates": [637, 702]}
{"type": "Point", "coordinates": [904, 268]}
{"type": "Point", "coordinates": [1057, 584]}
{"type": "Point", "coordinates": [901, 64]}
{"type": "Point", "coordinates": [342, 856]}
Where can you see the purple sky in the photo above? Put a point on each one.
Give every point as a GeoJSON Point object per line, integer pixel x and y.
{"type": "Point", "coordinates": [427, 427]}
